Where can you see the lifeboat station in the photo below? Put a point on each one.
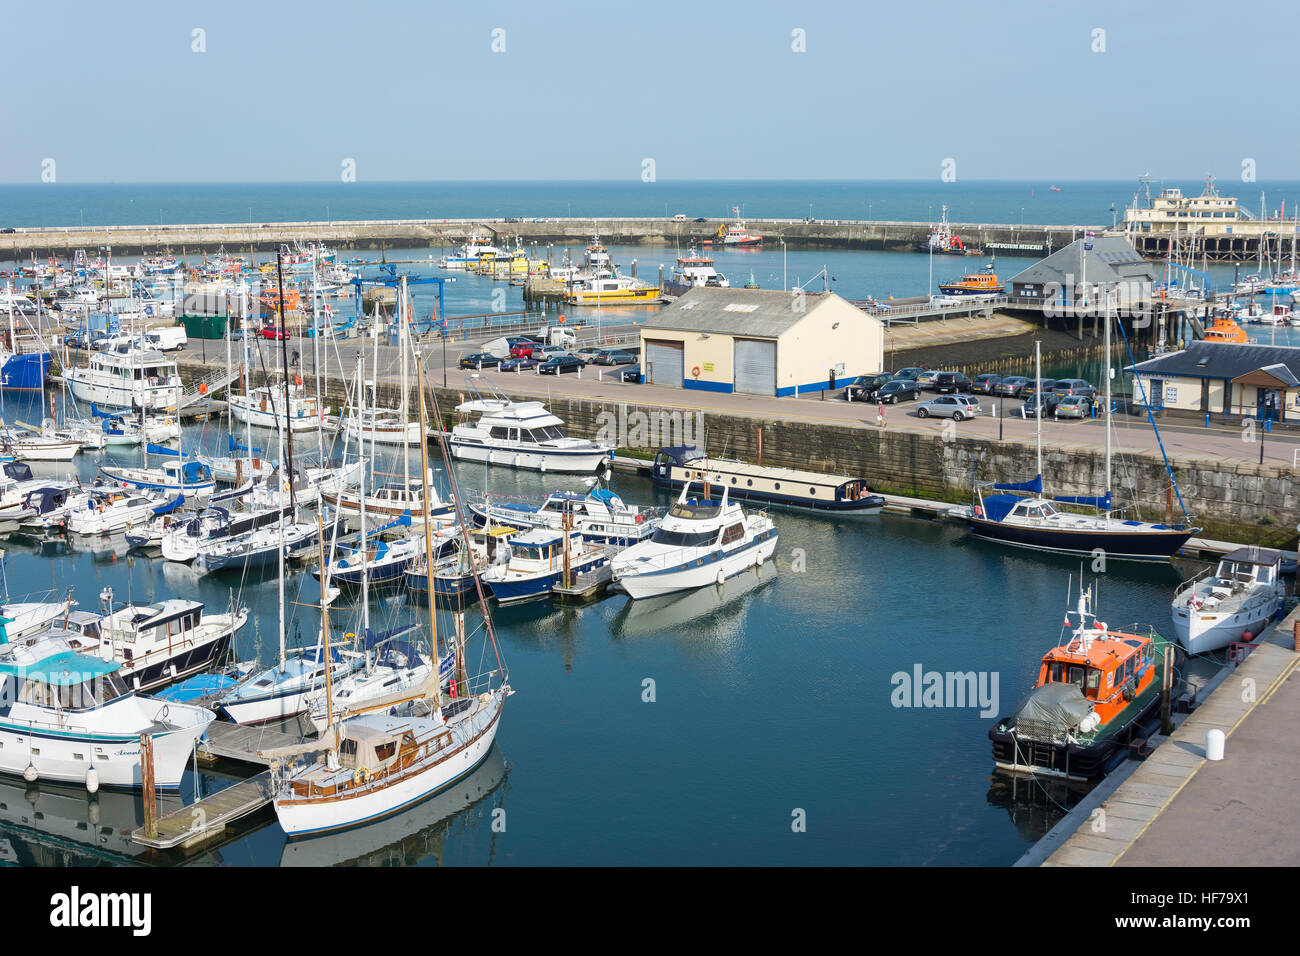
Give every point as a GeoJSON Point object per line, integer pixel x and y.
{"type": "Point", "coordinates": [760, 342]}
{"type": "Point", "coordinates": [1226, 379]}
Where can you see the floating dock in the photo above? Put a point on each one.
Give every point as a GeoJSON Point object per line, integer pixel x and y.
{"type": "Point", "coordinates": [208, 817]}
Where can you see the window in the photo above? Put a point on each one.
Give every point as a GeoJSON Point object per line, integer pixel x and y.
{"type": "Point", "coordinates": [683, 539]}
{"type": "Point", "coordinates": [384, 751]}
{"type": "Point", "coordinates": [1076, 675]}
{"type": "Point", "coordinates": [1094, 678]}
{"type": "Point", "coordinates": [734, 533]}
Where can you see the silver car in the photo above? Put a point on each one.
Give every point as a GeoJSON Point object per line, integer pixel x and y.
{"type": "Point", "coordinates": [957, 407]}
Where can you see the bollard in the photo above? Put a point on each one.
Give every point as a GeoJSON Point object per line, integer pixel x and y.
{"type": "Point", "coordinates": [1295, 637]}
{"type": "Point", "coordinates": [1214, 741]}
{"type": "Point", "coordinates": [1207, 419]}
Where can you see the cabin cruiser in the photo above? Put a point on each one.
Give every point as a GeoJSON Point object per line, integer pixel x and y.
{"type": "Point", "coordinates": [154, 644]}
{"type": "Point", "coordinates": [105, 510]}
{"type": "Point", "coordinates": [521, 435]}
{"type": "Point", "coordinates": [539, 561]}
{"type": "Point", "coordinates": [701, 541]}
{"type": "Point", "coordinates": [87, 722]}
{"type": "Point", "coordinates": [694, 270]}
{"type": "Point", "coordinates": [1234, 603]}
{"type": "Point", "coordinates": [600, 516]}
{"type": "Point", "coordinates": [126, 377]}
{"type": "Point", "coordinates": [191, 478]}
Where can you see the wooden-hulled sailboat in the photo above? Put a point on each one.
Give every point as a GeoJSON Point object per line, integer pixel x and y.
{"type": "Point", "coordinates": [378, 764]}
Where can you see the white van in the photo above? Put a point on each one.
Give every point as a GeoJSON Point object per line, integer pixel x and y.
{"type": "Point", "coordinates": [168, 339]}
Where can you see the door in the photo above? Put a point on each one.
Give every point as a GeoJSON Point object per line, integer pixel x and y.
{"type": "Point", "coordinates": [754, 361]}
{"type": "Point", "coordinates": [663, 363]}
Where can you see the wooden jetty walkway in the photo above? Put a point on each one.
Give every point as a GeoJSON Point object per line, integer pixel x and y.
{"type": "Point", "coordinates": [205, 819]}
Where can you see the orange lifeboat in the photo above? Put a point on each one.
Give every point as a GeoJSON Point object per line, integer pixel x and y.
{"type": "Point", "coordinates": [1224, 329]}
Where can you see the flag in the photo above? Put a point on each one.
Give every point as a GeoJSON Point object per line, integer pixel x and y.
{"type": "Point", "coordinates": [735, 210]}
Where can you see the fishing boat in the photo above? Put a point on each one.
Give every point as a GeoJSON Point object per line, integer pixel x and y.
{"type": "Point", "coordinates": [600, 516]}
{"type": "Point", "coordinates": [264, 407]}
{"type": "Point", "coordinates": [521, 435]}
{"type": "Point", "coordinates": [70, 717]}
{"type": "Point", "coordinates": [1096, 692]}
{"type": "Point", "coordinates": [154, 644]}
{"type": "Point", "coordinates": [540, 560]}
{"type": "Point", "coordinates": [693, 270]}
{"type": "Point", "coordinates": [943, 241]}
{"type": "Point", "coordinates": [1235, 602]}
{"type": "Point", "coordinates": [1024, 517]}
{"type": "Point", "coordinates": [702, 541]}
{"type": "Point", "coordinates": [978, 283]}
{"type": "Point", "coordinates": [842, 495]}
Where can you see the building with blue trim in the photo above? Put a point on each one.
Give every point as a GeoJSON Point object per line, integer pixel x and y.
{"type": "Point", "coordinates": [760, 342]}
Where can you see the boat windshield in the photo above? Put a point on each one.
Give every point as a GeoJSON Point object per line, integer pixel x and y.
{"type": "Point", "coordinates": [694, 508]}
{"type": "Point", "coordinates": [684, 539]}
{"type": "Point", "coordinates": [95, 691]}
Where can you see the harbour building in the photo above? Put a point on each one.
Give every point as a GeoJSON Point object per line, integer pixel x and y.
{"type": "Point", "coordinates": [760, 342]}
{"type": "Point", "coordinates": [1098, 263]}
{"type": "Point", "coordinates": [1223, 378]}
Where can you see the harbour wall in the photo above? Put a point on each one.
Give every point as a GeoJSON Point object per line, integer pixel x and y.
{"type": "Point", "coordinates": [1000, 238]}
{"type": "Point", "coordinates": [1231, 500]}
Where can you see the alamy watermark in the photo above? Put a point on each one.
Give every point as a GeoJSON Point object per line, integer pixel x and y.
{"type": "Point", "coordinates": [637, 428]}
{"type": "Point", "coordinates": [956, 689]}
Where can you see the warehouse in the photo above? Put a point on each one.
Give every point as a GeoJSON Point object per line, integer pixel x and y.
{"type": "Point", "coordinates": [1222, 378]}
{"type": "Point", "coordinates": [760, 342]}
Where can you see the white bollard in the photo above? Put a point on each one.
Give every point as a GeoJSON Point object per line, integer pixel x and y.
{"type": "Point", "coordinates": [1214, 744]}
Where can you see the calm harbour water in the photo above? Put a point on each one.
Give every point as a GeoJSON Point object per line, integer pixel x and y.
{"type": "Point", "coordinates": [772, 694]}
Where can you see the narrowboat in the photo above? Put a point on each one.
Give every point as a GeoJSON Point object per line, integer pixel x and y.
{"type": "Point", "coordinates": [677, 465]}
{"type": "Point", "coordinates": [1096, 692]}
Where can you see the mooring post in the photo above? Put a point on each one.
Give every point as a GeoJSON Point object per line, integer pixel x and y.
{"type": "Point", "coordinates": [1166, 685]}
{"type": "Point", "coordinates": [150, 797]}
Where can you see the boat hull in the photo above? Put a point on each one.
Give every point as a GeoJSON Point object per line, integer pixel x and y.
{"type": "Point", "coordinates": [1132, 546]}
{"type": "Point", "coordinates": [701, 572]}
{"type": "Point", "coordinates": [25, 372]}
{"type": "Point", "coordinates": [1199, 632]}
{"type": "Point", "coordinates": [563, 460]}
{"type": "Point", "coordinates": [512, 589]}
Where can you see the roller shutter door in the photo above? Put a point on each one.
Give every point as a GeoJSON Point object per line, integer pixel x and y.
{"type": "Point", "coordinates": [663, 363]}
{"type": "Point", "coordinates": [755, 365]}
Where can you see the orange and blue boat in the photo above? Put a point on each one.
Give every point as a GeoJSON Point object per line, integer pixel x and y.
{"type": "Point", "coordinates": [979, 283]}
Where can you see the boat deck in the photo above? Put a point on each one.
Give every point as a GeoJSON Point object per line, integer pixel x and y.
{"type": "Point", "coordinates": [208, 817]}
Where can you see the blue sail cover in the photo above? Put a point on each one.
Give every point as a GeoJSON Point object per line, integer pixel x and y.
{"type": "Point", "coordinates": [153, 449]}
{"type": "Point", "coordinates": [1094, 501]}
{"type": "Point", "coordinates": [401, 521]}
{"type": "Point", "coordinates": [1036, 486]}
{"type": "Point", "coordinates": [236, 446]}
{"type": "Point", "coordinates": [170, 506]}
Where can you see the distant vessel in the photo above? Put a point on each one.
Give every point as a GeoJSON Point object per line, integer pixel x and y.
{"type": "Point", "coordinates": [943, 241]}
{"type": "Point", "coordinates": [979, 283]}
{"type": "Point", "coordinates": [473, 249]}
{"type": "Point", "coordinates": [694, 270]}
{"type": "Point", "coordinates": [127, 377]}
{"type": "Point", "coordinates": [1224, 329]}
{"type": "Point", "coordinates": [1055, 189]}
{"type": "Point", "coordinates": [736, 235]}
{"type": "Point", "coordinates": [522, 435]}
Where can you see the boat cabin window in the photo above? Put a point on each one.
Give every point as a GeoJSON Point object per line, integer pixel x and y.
{"type": "Point", "coordinates": [1094, 680]}
{"type": "Point", "coordinates": [1076, 674]}
{"type": "Point", "coordinates": [384, 751]}
{"type": "Point", "coordinates": [734, 533]}
{"type": "Point", "coordinates": [500, 432]}
{"type": "Point", "coordinates": [683, 539]}
{"type": "Point", "coordinates": [94, 691]}
{"type": "Point", "coordinates": [694, 508]}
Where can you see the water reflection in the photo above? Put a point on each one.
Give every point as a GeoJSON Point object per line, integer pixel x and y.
{"type": "Point", "coordinates": [715, 612]}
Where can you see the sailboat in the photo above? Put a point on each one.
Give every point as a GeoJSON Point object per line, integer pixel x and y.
{"type": "Point", "coordinates": [1027, 518]}
{"type": "Point", "coordinates": [378, 764]}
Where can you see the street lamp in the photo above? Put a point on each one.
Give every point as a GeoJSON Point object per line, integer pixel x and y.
{"type": "Point", "coordinates": [784, 278]}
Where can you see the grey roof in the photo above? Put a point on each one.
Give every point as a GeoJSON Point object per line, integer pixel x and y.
{"type": "Point", "coordinates": [763, 313]}
{"type": "Point", "coordinates": [1225, 360]}
{"type": "Point", "coordinates": [1111, 259]}
{"type": "Point", "coordinates": [1253, 555]}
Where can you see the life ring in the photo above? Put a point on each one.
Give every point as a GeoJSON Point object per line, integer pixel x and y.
{"type": "Point", "coordinates": [365, 774]}
{"type": "Point", "coordinates": [696, 371]}
{"type": "Point", "coordinates": [297, 380]}
{"type": "Point", "coordinates": [356, 778]}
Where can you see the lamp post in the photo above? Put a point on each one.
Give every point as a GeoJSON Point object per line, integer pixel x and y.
{"type": "Point", "coordinates": [784, 278]}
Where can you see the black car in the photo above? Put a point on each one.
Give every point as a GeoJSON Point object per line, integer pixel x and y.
{"type": "Point", "coordinates": [985, 384]}
{"type": "Point", "coordinates": [701, 219]}
{"type": "Point", "coordinates": [479, 360]}
{"type": "Point", "coordinates": [863, 388]}
{"type": "Point", "coordinates": [899, 389]}
{"type": "Point", "coordinates": [954, 382]}
{"type": "Point", "coordinates": [1030, 390]}
{"type": "Point", "coordinates": [630, 374]}
{"type": "Point", "coordinates": [559, 364]}
{"type": "Point", "coordinates": [8, 230]}
{"type": "Point", "coordinates": [1036, 403]}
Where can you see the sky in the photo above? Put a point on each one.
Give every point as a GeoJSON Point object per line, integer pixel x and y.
{"type": "Point", "coordinates": [272, 91]}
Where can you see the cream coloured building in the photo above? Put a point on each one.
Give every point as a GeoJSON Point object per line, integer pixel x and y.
{"type": "Point", "coordinates": [1225, 379]}
{"type": "Point", "coordinates": [760, 342]}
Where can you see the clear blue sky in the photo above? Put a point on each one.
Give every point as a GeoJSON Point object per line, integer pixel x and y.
{"type": "Point", "coordinates": [412, 90]}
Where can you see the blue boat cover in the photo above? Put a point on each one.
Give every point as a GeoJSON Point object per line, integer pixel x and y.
{"type": "Point", "coordinates": [1096, 501]}
{"type": "Point", "coordinates": [153, 449]}
{"type": "Point", "coordinates": [236, 446]}
{"type": "Point", "coordinates": [605, 496]}
{"type": "Point", "coordinates": [373, 639]}
{"type": "Point", "coordinates": [1036, 486]}
{"type": "Point", "coordinates": [193, 471]}
{"type": "Point", "coordinates": [997, 507]}
{"type": "Point", "coordinates": [170, 506]}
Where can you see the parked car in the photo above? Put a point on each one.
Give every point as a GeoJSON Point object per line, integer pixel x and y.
{"type": "Point", "coordinates": [554, 351]}
{"type": "Point", "coordinates": [525, 349]}
{"type": "Point", "coordinates": [985, 384]}
{"type": "Point", "coordinates": [523, 362]}
{"type": "Point", "coordinates": [1073, 406]}
{"type": "Point", "coordinates": [900, 389]}
{"type": "Point", "coordinates": [1031, 408]}
{"type": "Point", "coordinates": [951, 383]}
{"type": "Point", "coordinates": [614, 357]}
{"type": "Point", "coordinates": [1067, 387]}
{"type": "Point", "coordinates": [1012, 386]}
{"type": "Point", "coordinates": [926, 379]}
{"type": "Point", "coordinates": [630, 374]}
{"type": "Point", "coordinates": [559, 364]}
{"type": "Point", "coordinates": [1030, 390]}
{"type": "Point", "coordinates": [680, 217]}
{"type": "Point", "coordinates": [588, 354]}
{"type": "Point", "coordinates": [479, 360]}
{"type": "Point", "coordinates": [941, 301]}
{"type": "Point", "coordinates": [957, 407]}
{"type": "Point", "coordinates": [864, 387]}
{"type": "Point", "coordinates": [274, 332]}
{"type": "Point", "coordinates": [700, 219]}
{"type": "Point", "coordinates": [909, 373]}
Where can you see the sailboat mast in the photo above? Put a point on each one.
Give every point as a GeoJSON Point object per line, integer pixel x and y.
{"type": "Point", "coordinates": [284, 354]}
{"type": "Point", "coordinates": [1106, 373]}
{"type": "Point", "coordinates": [325, 620]}
{"type": "Point", "coordinates": [1038, 398]}
{"type": "Point", "coordinates": [403, 316]}
{"type": "Point", "coordinates": [361, 500]}
{"type": "Point", "coordinates": [428, 535]}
